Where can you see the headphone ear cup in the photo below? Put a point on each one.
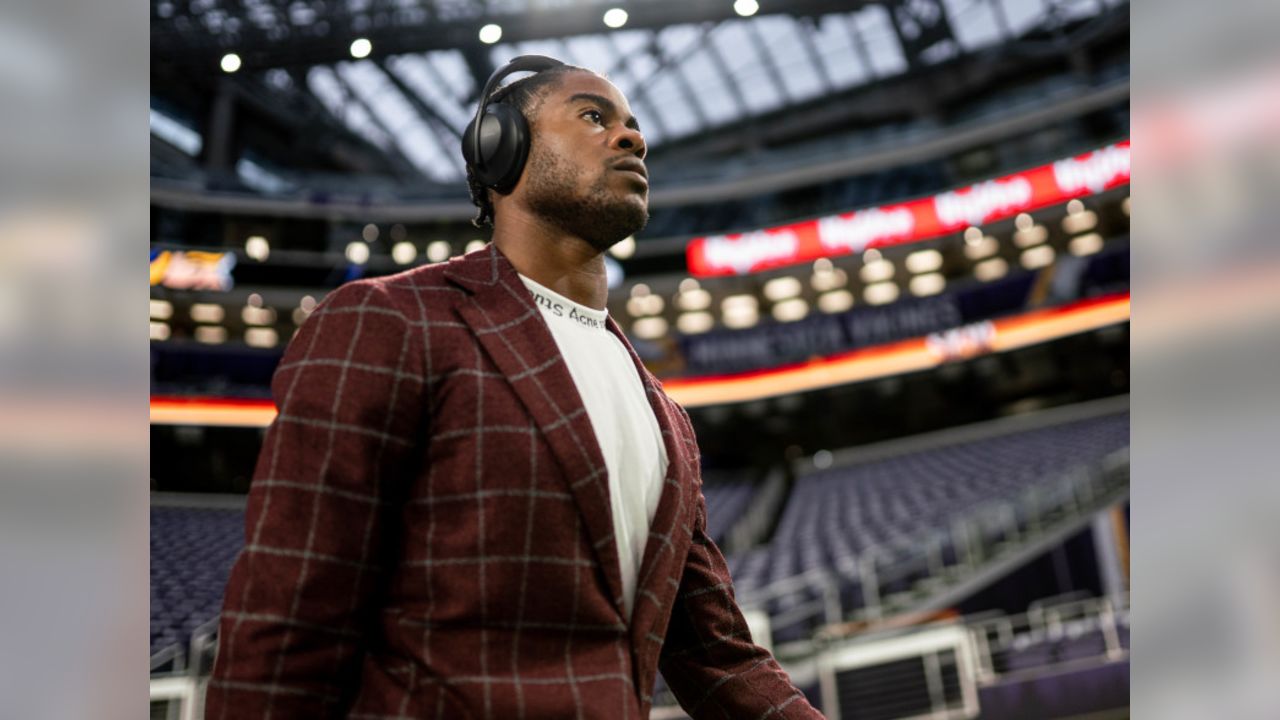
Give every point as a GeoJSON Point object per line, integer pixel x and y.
{"type": "Point", "coordinates": [504, 147]}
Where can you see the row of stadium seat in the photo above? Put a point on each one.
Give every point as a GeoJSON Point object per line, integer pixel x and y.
{"type": "Point", "coordinates": [832, 517]}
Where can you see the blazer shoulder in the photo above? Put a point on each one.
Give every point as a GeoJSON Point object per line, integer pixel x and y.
{"type": "Point", "coordinates": [417, 294]}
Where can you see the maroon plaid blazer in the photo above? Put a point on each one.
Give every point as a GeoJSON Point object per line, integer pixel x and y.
{"type": "Point", "coordinates": [429, 531]}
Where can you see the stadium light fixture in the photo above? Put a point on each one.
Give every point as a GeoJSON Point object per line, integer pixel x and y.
{"type": "Point", "coordinates": [358, 252]}
{"type": "Point", "coordinates": [615, 17]}
{"type": "Point", "coordinates": [1086, 244]}
{"type": "Point", "coordinates": [1037, 257]}
{"type": "Point", "coordinates": [307, 304]}
{"type": "Point", "coordinates": [490, 34]}
{"type": "Point", "coordinates": [369, 232]}
{"type": "Point", "coordinates": [876, 270]}
{"type": "Point", "coordinates": [650, 328]}
{"type": "Point", "coordinates": [827, 277]}
{"type": "Point", "coordinates": [624, 248]}
{"type": "Point", "coordinates": [740, 311]}
{"type": "Point", "coordinates": [928, 284]}
{"type": "Point", "coordinates": [880, 293]}
{"type": "Point", "coordinates": [257, 248]}
{"type": "Point", "coordinates": [211, 334]}
{"type": "Point", "coordinates": [360, 48]}
{"type": "Point", "coordinates": [746, 8]}
{"type": "Point", "coordinates": [161, 309]}
{"type": "Point", "coordinates": [923, 261]}
{"type": "Point", "coordinates": [992, 269]}
{"type": "Point", "coordinates": [741, 319]}
{"type": "Point", "coordinates": [985, 246]}
{"type": "Point", "coordinates": [1030, 236]}
{"type": "Point", "coordinates": [695, 298]}
{"type": "Point", "coordinates": [474, 245]}
{"type": "Point", "coordinates": [261, 337]}
{"type": "Point", "coordinates": [790, 310]}
{"type": "Point", "coordinates": [207, 313]}
{"type": "Point", "coordinates": [1079, 222]}
{"type": "Point", "coordinates": [781, 288]}
{"type": "Point", "coordinates": [439, 251]}
{"type": "Point", "coordinates": [694, 323]}
{"type": "Point", "coordinates": [230, 63]}
{"type": "Point", "coordinates": [642, 305]}
{"type": "Point", "coordinates": [258, 315]}
{"type": "Point", "coordinates": [404, 252]}
{"type": "Point", "coordinates": [159, 331]}
{"type": "Point", "coordinates": [835, 301]}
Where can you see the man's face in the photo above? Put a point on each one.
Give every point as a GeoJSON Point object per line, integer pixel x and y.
{"type": "Point", "coordinates": [585, 172]}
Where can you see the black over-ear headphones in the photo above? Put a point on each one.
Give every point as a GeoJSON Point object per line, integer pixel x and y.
{"type": "Point", "coordinates": [496, 141]}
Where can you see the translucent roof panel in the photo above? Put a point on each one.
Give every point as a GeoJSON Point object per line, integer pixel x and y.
{"type": "Point", "coordinates": [1022, 14]}
{"type": "Point", "coordinates": [738, 48]}
{"type": "Point", "coordinates": [326, 86]}
{"type": "Point", "coordinates": [629, 61]}
{"type": "Point", "coordinates": [591, 51]}
{"type": "Point", "coordinates": [418, 142]}
{"type": "Point", "coordinates": [973, 22]}
{"type": "Point", "coordinates": [259, 178]}
{"type": "Point", "coordinates": [175, 133]}
{"type": "Point", "coordinates": [452, 68]}
{"type": "Point", "coordinates": [422, 77]}
{"type": "Point", "coordinates": [834, 45]}
{"type": "Point", "coordinates": [783, 42]}
{"type": "Point", "coordinates": [664, 94]}
{"type": "Point", "coordinates": [667, 91]}
{"type": "Point", "coordinates": [633, 75]}
{"type": "Point", "coordinates": [1079, 9]}
{"type": "Point", "coordinates": [876, 30]}
{"type": "Point", "coordinates": [710, 87]}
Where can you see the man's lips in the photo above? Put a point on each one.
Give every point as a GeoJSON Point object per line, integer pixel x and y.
{"type": "Point", "coordinates": [634, 175]}
{"type": "Point", "coordinates": [634, 167]}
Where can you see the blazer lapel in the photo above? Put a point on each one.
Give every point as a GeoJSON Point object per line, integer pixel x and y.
{"type": "Point", "coordinates": [510, 328]}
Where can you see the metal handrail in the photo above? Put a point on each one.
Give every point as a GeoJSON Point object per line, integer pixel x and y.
{"type": "Point", "coordinates": [975, 535]}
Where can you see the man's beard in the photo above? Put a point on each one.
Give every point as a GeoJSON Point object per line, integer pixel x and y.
{"type": "Point", "coordinates": [599, 216]}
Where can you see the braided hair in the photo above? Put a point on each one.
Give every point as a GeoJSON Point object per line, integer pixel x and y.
{"type": "Point", "coordinates": [523, 94]}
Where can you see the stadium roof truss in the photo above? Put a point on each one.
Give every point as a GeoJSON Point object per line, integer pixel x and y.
{"type": "Point", "coordinates": [689, 67]}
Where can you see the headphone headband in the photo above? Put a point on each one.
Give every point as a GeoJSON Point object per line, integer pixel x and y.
{"type": "Point", "coordinates": [523, 63]}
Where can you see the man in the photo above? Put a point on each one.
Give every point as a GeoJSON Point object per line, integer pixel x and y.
{"type": "Point", "coordinates": [475, 501]}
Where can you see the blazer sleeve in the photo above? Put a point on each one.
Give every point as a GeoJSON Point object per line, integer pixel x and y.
{"type": "Point", "coordinates": [708, 658]}
{"type": "Point", "coordinates": [318, 519]}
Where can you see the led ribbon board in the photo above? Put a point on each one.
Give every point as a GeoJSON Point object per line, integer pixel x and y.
{"type": "Point", "coordinates": [912, 221]}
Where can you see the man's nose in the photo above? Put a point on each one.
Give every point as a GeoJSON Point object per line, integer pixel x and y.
{"type": "Point", "coordinates": [630, 140]}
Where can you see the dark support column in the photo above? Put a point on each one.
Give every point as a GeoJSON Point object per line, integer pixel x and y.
{"type": "Point", "coordinates": [1108, 546]}
{"type": "Point", "coordinates": [218, 152]}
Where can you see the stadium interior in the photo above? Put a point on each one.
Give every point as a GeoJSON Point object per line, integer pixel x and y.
{"type": "Point", "coordinates": [886, 271]}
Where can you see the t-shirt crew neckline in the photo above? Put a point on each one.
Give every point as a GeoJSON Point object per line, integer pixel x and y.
{"type": "Point", "coordinates": [550, 301]}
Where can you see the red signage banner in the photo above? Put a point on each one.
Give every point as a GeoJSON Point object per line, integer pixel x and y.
{"type": "Point", "coordinates": [911, 221]}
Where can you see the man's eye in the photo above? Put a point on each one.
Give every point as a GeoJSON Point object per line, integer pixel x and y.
{"type": "Point", "coordinates": [594, 116]}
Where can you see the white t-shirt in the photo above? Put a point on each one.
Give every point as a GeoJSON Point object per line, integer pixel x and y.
{"type": "Point", "coordinates": [623, 421]}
